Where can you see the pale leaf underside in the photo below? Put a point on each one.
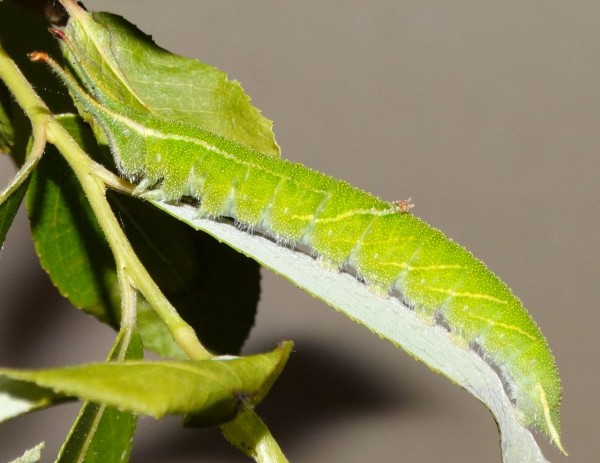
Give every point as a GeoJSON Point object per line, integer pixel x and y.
{"type": "Point", "coordinates": [386, 317]}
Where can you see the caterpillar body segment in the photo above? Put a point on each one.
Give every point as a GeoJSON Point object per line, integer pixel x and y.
{"type": "Point", "coordinates": [349, 228]}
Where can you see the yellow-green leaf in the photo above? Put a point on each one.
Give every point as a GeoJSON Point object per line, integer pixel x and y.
{"type": "Point", "coordinates": [216, 387]}
{"type": "Point", "coordinates": [124, 62]}
{"type": "Point", "coordinates": [104, 434]}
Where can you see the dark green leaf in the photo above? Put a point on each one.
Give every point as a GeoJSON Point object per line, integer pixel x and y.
{"type": "Point", "coordinates": [67, 238]}
{"type": "Point", "coordinates": [196, 273]}
{"type": "Point", "coordinates": [74, 251]}
{"type": "Point", "coordinates": [14, 129]}
{"type": "Point", "coordinates": [22, 31]}
{"type": "Point", "coordinates": [10, 200]}
{"type": "Point", "coordinates": [7, 133]}
{"type": "Point", "coordinates": [102, 434]}
{"type": "Point", "coordinates": [192, 269]}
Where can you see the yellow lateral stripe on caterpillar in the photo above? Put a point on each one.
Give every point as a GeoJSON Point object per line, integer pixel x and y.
{"type": "Point", "coordinates": [378, 240]}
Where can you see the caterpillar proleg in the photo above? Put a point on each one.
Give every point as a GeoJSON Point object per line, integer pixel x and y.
{"type": "Point", "coordinates": [380, 242]}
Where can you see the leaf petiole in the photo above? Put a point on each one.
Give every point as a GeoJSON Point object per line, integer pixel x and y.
{"type": "Point", "coordinates": [48, 128]}
{"type": "Point", "coordinates": [113, 181]}
{"type": "Point", "coordinates": [127, 262]}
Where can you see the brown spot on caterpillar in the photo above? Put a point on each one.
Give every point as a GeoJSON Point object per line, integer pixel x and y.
{"type": "Point", "coordinates": [404, 205]}
{"type": "Point", "coordinates": [60, 35]}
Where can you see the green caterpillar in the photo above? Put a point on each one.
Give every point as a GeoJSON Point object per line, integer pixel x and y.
{"type": "Point", "coordinates": [394, 252]}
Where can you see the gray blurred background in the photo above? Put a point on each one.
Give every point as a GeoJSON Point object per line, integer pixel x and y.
{"type": "Point", "coordinates": [487, 114]}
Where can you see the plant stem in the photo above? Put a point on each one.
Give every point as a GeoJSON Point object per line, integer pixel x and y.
{"type": "Point", "coordinates": [46, 127]}
{"type": "Point", "coordinates": [250, 435]}
{"type": "Point", "coordinates": [33, 106]}
{"type": "Point", "coordinates": [126, 260]}
{"type": "Point", "coordinates": [247, 432]}
{"type": "Point", "coordinates": [128, 313]}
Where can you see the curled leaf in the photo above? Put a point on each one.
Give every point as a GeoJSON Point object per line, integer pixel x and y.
{"type": "Point", "coordinates": [123, 62]}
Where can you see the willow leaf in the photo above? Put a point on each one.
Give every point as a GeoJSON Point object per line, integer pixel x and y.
{"type": "Point", "coordinates": [7, 132]}
{"type": "Point", "coordinates": [77, 258]}
{"type": "Point", "coordinates": [12, 196]}
{"type": "Point", "coordinates": [101, 433]}
{"type": "Point", "coordinates": [389, 319]}
{"type": "Point", "coordinates": [126, 64]}
{"type": "Point", "coordinates": [20, 397]}
{"type": "Point", "coordinates": [212, 388]}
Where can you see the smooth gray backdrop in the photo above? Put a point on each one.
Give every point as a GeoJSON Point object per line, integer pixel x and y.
{"type": "Point", "coordinates": [487, 114]}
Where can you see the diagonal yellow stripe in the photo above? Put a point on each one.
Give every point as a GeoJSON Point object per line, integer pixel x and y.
{"type": "Point", "coordinates": [485, 297]}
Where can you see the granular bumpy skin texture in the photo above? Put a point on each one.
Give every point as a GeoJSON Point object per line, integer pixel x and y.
{"type": "Point", "coordinates": [389, 249]}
